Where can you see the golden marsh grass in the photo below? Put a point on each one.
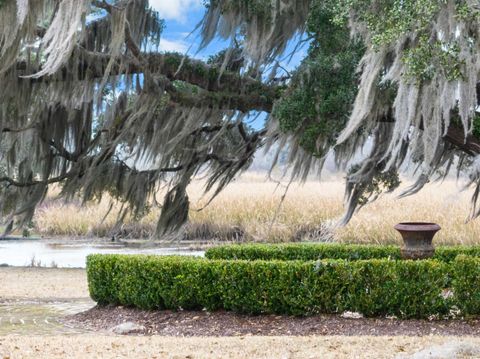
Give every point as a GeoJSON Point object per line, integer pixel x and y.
{"type": "Point", "coordinates": [247, 210]}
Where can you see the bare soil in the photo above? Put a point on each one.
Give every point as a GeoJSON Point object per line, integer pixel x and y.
{"type": "Point", "coordinates": [100, 346]}
{"type": "Point", "coordinates": [221, 323]}
{"type": "Point", "coordinates": [42, 283]}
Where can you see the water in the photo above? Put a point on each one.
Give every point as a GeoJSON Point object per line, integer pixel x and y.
{"type": "Point", "coordinates": [66, 253]}
{"type": "Point", "coordinates": [40, 318]}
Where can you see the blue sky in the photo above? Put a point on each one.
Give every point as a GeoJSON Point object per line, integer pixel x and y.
{"type": "Point", "coordinates": [181, 18]}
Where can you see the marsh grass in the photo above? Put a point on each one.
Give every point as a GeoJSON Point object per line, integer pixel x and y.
{"type": "Point", "coordinates": [248, 210]}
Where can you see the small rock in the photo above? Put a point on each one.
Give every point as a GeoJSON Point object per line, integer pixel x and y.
{"type": "Point", "coordinates": [352, 315]}
{"type": "Point", "coordinates": [128, 328]}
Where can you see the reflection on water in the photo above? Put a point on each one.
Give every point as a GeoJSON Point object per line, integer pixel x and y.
{"type": "Point", "coordinates": [71, 254]}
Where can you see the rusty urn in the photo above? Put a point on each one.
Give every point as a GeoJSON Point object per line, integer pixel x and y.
{"type": "Point", "coordinates": [417, 239]}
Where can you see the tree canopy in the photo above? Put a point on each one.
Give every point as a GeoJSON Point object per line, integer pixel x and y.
{"type": "Point", "coordinates": [88, 101]}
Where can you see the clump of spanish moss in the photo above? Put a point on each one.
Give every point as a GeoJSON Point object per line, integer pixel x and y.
{"type": "Point", "coordinates": [419, 71]}
{"type": "Point", "coordinates": [84, 104]}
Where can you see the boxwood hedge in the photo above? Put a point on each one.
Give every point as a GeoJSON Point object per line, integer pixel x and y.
{"type": "Point", "coordinates": [466, 283]}
{"type": "Point", "coordinates": [374, 287]}
{"type": "Point", "coordinates": [314, 251]}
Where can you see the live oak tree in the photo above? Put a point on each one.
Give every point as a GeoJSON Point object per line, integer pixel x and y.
{"type": "Point", "coordinates": [87, 100]}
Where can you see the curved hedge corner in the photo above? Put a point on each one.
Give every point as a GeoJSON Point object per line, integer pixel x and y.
{"type": "Point", "coordinates": [376, 287]}
{"type": "Point", "coordinates": [315, 251]}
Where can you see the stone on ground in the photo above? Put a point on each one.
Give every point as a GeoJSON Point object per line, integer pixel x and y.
{"type": "Point", "coordinates": [128, 328]}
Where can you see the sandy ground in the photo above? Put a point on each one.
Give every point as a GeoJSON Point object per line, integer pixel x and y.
{"type": "Point", "coordinates": [40, 283]}
{"type": "Point", "coordinates": [240, 347]}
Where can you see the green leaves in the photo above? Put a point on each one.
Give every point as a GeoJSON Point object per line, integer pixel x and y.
{"type": "Point", "coordinates": [432, 57]}
{"type": "Point", "coordinates": [319, 102]}
{"type": "Point", "coordinates": [374, 287]}
{"type": "Point", "coordinates": [466, 284]}
{"type": "Point", "coordinates": [315, 251]}
{"type": "Point", "coordinates": [317, 105]}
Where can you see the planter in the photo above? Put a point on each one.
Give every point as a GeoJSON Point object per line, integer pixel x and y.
{"type": "Point", "coordinates": [417, 239]}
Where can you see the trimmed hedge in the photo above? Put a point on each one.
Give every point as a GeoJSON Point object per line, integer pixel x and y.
{"type": "Point", "coordinates": [302, 251]}
{"type": "Point", "coordinates": [467, 284]}
{"type": "Point", "coordinates": [376, 287]}
{"type": "Point", "coordinates": [315, 251]}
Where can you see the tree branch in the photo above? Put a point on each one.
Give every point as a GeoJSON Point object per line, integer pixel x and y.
{"type": "Point", "coordinates": [456, 136]}
{"type": "Point", "coordinates": [241, 102]}
{"type": "Point", "coordinates": [92, 65]}
{"type": "Point", "coordinates": [16, 183]}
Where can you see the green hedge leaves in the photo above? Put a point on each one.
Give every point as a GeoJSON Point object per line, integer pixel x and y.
{"type": "Point", "coordinates": [374, 287]}
{"type": "Point", "coordinates": [314, 251]}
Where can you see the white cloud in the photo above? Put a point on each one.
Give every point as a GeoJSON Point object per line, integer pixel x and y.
{"type": "Point", "coordinates": [175, 9]}
{"type": "Point", "coordinates": [173, 46]}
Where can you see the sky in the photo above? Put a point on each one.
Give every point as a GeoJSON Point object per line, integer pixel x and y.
{"type": "Point", "coordinates": [181, 17]}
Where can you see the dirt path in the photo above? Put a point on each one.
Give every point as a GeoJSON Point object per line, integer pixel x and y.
{"type": "Point", "coordinates": [29, 291]}
{"type": "Point", "coordinates": [42, 283]}
{"type": "Point", "coordinates": [88, 346]}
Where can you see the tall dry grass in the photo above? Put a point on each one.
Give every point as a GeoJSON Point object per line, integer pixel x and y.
{"type": "Point", "coordinates": [248, 210]}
